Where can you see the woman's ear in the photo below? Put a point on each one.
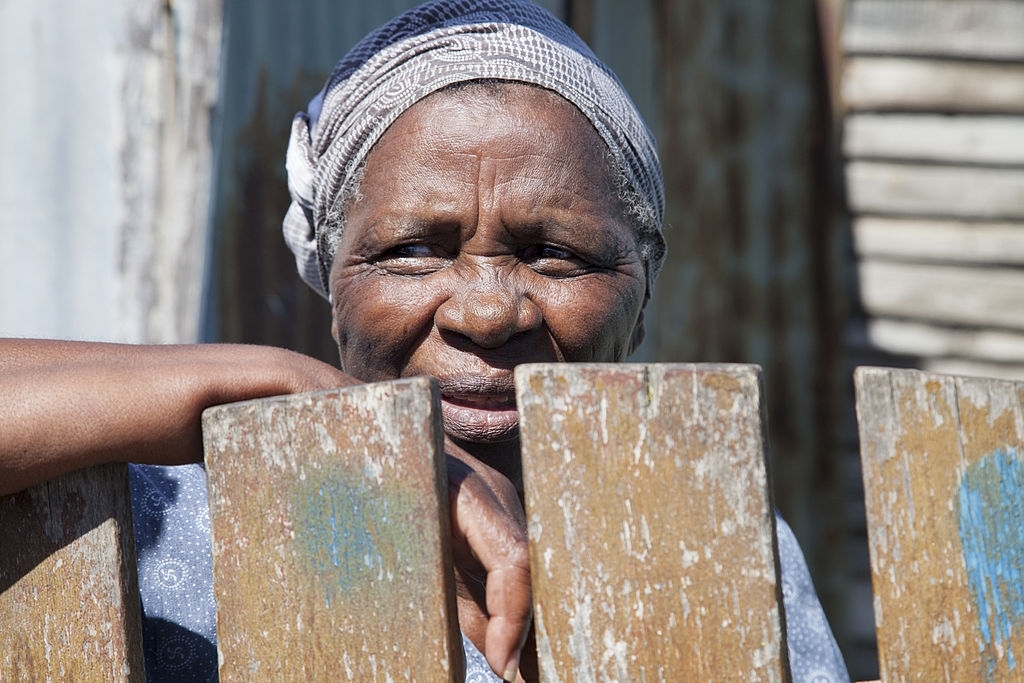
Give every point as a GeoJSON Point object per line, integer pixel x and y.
{"type": "Point", "coordinates": [638, 334]}
{"type": "Point", "coordinates": [334, 334]}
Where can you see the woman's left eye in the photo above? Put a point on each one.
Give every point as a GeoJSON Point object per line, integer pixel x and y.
{"type": "Point", "coordinates": [412, 251]}
{"type": "Point", "coordinates": [554, 261]}
{"type": "Point", "coordinates": [545, 251]}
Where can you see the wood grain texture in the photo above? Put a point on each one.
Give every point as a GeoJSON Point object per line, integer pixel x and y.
{"type": "Point", "coordinates": [978, 29]}
{"type": "Point", "coordinates": [908, 84]}
{"type": "Point", "coordinates": [935, 137]}
{"type": "Point", "coordinates": [651, 523]}
{"type": "Point", "coordinates": [930, 340]}
{"type": "Point", "coordinates": [945, 294]}
{"type": "Point", "coordinates": [331, 540]}
{"type": "Point", "coordinates": [936, 239]}
{"type": "Point", "coordinates": [69, 596]}
{"type": "Point", "coordinates": [943, 480]}
{"type": "Point", "coordinates": [937, 191]}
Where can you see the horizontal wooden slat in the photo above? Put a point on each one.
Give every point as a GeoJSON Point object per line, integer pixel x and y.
{"type": "Point", "coordinates": [939, 240]}
{"type": "Point", "coordinates": [330, 524]}
{"type": "Point", "coordinates": [651, 523]}
{"type": "Point", "coordinates": [969, 368]}
{"type": "Point", "coordinates": [935, 191]}
{"type": "Point", "coordinates": [891, 83]}
{"type": "Point", "coordinates": [936, 138]}
{"type": "Point", "coordinates": [926, 239]}
{"type": "Point", "coordinates": [947, 294]}
{"type": "Point", "coordinates": [938, 341]}
{"type": "Point", "coordinates": [985, 29]}
{"type": "Point", "coordinates": [69, 595]}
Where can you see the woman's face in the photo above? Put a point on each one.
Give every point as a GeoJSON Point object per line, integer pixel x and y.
{"type": "Point", "coordinates": [487, 234]}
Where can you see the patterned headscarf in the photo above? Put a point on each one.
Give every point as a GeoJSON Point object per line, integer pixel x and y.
{"type": "Point", "coordinates": [424, 50]}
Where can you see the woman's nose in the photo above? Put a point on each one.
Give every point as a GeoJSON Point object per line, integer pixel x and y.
{"type": "Point", "coordinates": [488, 313]}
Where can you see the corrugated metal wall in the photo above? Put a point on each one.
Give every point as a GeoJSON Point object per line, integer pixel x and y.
{"type": "Point", "coordinates": [105, 167]}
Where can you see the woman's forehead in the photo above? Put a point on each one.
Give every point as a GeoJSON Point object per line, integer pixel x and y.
{"type": "Point", "coordinates": [483, 138]}
{"type": "Point", "coordinates": [519, 118]}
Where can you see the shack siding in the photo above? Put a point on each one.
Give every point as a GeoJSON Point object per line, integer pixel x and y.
{"type": "Point", "coordinates": [932, 149]}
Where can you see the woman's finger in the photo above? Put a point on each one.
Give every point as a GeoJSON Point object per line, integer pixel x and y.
{"type": "Point", "coordinates": [490, 539]}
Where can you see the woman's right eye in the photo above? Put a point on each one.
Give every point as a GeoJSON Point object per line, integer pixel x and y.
{"type": "Point", "coordinates": [416, 258]}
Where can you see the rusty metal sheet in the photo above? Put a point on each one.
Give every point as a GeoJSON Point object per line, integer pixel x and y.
{"type": "Point", "coordinates": [652, 532]}
{"type": "Point", "coordinates": [330, 523]}
{"type": "Point", "coordinates": [943, 461]}
{"type": "Point", "coordinates": [69, 597]}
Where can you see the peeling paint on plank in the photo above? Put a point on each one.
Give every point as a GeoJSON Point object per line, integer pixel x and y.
{"type": "Point", "coordinates": [330, 527]}
{"type": "Point", "coordinates": [939, 475]}
{"type": "Point", "coordinates": [650, 460]}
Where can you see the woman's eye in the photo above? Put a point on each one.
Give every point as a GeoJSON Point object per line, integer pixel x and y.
{"type": "Point", "coordinates": [411, 251]}
{"type": "Point", "coordinates": [548, 252]}
{"type": "Point", "coordinates": [554, 261]}
{"type": "Point", "coordinates": [412, 259]}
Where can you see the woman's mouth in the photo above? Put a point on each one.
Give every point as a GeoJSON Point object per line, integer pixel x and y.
{"type": "Point", "coordinates": [479, 416]}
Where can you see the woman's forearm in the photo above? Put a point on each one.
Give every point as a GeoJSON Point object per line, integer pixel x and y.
{"type": "Point", "coordinates": [68, 405]}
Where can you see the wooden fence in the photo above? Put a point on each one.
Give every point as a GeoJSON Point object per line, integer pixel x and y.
{"type": "Point", "coordinates": [651, 523]}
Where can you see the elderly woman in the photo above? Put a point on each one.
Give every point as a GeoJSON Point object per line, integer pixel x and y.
{"type": "Point", "coordinates": [472, 190]}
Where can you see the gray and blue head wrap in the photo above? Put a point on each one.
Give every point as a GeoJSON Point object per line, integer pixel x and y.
{"type": "Point", "coordinates": [424, 50]}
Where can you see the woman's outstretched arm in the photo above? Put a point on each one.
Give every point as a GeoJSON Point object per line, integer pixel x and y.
{"type": "Point", "coordinates": [67, 405]}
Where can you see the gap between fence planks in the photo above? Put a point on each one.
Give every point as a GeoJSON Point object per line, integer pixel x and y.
{"type": "Point", "coordinates": [69, 597]}
{"type": "Point", "coordinates": [944, 481]}
{"type": "Point", "coordinates": [652, 529]}
{"type": "Point", "coordinates": [330, 524]}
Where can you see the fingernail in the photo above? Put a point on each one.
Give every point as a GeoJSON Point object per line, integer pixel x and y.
{"type": "Point", "coordinates": [511, 669]}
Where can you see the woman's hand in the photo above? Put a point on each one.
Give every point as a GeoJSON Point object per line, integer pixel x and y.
{"type": "Point", "coordinates": [68, 405]}
{"type": "Point", "coordinates": [492, 563]}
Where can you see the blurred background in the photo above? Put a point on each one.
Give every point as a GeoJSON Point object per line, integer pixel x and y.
{"type": "Point", "coordinates": [845, 184]}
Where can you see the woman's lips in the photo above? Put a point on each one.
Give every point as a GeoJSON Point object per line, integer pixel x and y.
{"type": "Point", "coordinates": [481, 413]}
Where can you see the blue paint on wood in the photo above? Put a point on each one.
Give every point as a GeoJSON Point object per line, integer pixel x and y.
{"type": "Point", "coordinates": [991, 525]}
{"type": "Point", "coordinates": [353, 535]}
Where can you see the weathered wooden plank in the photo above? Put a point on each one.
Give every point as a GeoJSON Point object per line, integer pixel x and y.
{"type": "Point", "coordinates": [935, 138]}
{"type": "Point", "coordinates": [946, 294]}
{"type": "Point", "coordinates": [935, 191]}
{"type": "Point", "coordinates": [951, 241]}
{"type": "Point", "coordinates": [652, 534]}
{"type": "Point", "coordinates": [892, 83]}
{"type": "Point", "coordinates": [928, 340]}
{"type": "Point", "coordinates": [979, 29]}
{"type": "Point", "coordinates": [331, 547]}
{"type": "Point", "coordinates": [943, 477]}
{"type": "Point", "coordinates": [69, 596]}
{"type": "Point", "coordinates": [974, 368]}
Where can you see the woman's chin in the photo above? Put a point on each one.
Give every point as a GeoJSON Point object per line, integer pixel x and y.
{"type": "Point", "coordinates": [479, 425]}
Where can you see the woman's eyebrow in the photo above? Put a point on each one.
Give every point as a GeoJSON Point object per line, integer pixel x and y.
{"type": "Point", "coordinates": [400, 226]}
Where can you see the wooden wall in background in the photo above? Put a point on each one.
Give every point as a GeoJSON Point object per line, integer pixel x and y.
{"type": "Point", "coordinates": [933, 147]}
